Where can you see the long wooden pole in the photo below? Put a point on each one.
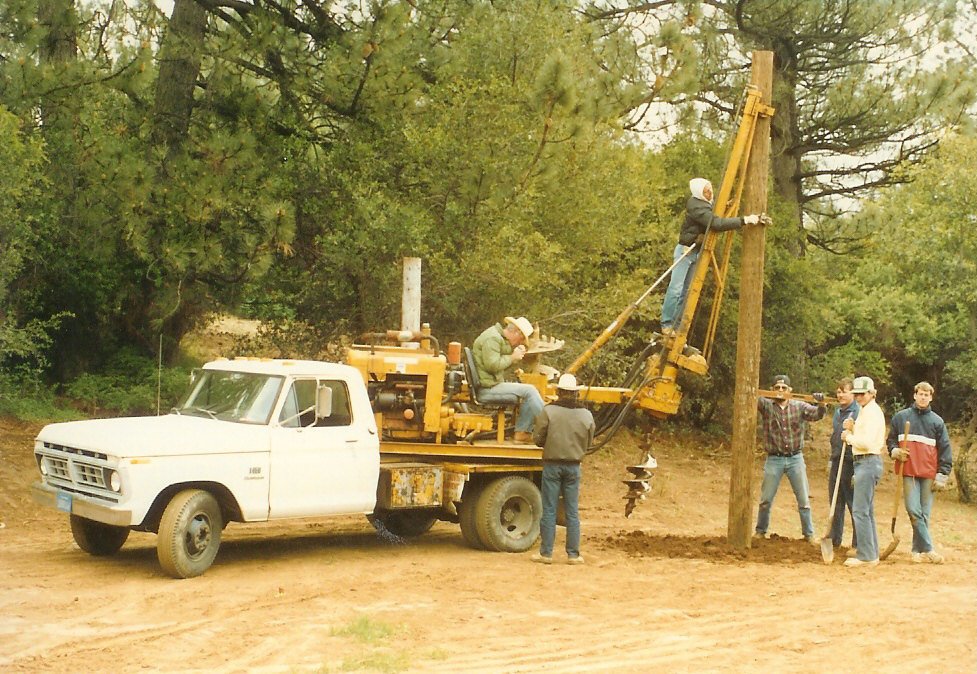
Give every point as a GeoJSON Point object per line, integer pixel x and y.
{"type": "Point", "coordinates": [740, 530]}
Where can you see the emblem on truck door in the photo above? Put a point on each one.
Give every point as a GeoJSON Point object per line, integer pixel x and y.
{"type": "Point", "coordinates": [254, 473]}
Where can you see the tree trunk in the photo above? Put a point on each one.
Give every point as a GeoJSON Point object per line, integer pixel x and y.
{"type": "Point", "coordinates": [178, 71]}
{"type": "Point", "coordinates": [785, 157]}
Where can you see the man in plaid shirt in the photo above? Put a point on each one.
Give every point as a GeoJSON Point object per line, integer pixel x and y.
{"type": "Point", "coordinates": [784, 422]}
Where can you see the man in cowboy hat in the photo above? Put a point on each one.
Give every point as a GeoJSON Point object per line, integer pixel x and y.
{"type": "Point", "coordinates": [497, 350]}
{"type": "Point", "coordinates": [565, 430]}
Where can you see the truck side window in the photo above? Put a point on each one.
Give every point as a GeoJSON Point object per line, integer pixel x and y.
{"type": "Point", "coordinates": [299, 408]}
{"type": "Point", "coordinates": [341, 411]}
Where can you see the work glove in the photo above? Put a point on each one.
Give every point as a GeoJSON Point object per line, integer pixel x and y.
{"type": "Point", "coordinates": [751, 219]}
{"type": "Point", "coordinates": [899, 454]}
{"type": "Point", "coordinates": [940, 482]}
{"type": "Point", "coordinates": [818, 397]}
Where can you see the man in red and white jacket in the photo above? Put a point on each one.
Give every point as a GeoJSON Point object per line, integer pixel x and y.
{"type": "Point", "coordinates": [927, 462]}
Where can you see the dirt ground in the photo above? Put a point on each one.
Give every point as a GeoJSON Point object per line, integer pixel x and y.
{"type": "Point", "coordinates": [661, 591]}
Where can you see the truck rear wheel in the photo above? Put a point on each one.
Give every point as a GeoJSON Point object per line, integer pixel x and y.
{"type": "Point", "coordinates": [466, 517]}
{"type": "Point", "coordinates": [97, 538]}
{"type": "Point", "coordinates": [508, 513]}
{"type": "Point", "coordinates": [405, 523]}
{"type": "Point", "coordinates": [189, 533]}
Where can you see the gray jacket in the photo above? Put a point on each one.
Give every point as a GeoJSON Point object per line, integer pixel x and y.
{"type": "Point", "coordinates": [564, 432]}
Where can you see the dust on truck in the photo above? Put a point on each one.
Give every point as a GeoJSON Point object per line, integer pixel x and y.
{"type": "Point", "coordinates": [259, 439]}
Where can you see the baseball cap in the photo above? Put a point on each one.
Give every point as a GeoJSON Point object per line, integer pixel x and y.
{"type": "Point", "coordinates": [863, 385]}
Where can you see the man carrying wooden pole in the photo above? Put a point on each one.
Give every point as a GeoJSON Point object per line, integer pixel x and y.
{"type": "Point", "coordinates": [740, 521]}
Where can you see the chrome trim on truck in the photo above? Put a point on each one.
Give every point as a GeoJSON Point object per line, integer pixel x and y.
{"type": "Point", "coordinates": [82, 505]}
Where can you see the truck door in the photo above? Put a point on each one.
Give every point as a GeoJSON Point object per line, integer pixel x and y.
{"type": "Point", "coordinates": [325, 466]}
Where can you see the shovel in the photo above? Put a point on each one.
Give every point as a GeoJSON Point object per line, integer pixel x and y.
{"type": "Point", "coordinates": [895, 505]}
{"type": "Point", "coordinates": [827, 547]}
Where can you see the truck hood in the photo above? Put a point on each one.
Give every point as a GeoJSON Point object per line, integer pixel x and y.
{"type": "Point", "coordinates": [168, 435]}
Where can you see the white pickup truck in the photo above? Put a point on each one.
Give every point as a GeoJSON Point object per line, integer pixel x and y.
{"type": "Point", "coordinates": [256, 440]}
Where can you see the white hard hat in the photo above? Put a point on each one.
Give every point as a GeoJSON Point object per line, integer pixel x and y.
{"type": "Point", "coordinates": [567, 383]}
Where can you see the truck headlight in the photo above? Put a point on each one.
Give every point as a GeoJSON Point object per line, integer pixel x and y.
{"type": "Point", "coordinates": [115, 481]}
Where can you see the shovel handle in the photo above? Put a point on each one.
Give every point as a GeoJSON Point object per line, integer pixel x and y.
{"type": "Point", "coordinates": [899, 467]}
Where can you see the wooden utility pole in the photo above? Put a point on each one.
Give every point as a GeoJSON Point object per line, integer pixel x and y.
{"type": "Point", "coordinates": [741, 506]}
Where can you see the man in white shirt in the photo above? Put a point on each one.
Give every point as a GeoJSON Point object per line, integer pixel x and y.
{"type": "Point", "coordinates": [866, 436]}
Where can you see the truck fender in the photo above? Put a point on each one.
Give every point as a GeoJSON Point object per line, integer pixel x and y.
{"type": "Point", "coordinates": [230, 508]}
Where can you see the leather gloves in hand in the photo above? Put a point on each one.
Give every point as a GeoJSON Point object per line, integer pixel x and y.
{"type": "Point", "coordinates": [900, 454]}
{"type": "Point", "coordinates": [818, 397]}
{"type": "Point", "coordinates": [751, 219]}
{"type": "Point", "coordinates": [940, 481]}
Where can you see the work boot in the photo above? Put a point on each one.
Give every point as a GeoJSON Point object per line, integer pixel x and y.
{"type": "Point", "coordinates": [761, 534]}
{"type": "Point", "coordinates": [522, 438]}
{"type": "Point", "coordinates": [812, 540]}
{"type": "Point", "coordinates": [931, 557]}
{"type": "Point", "coordinates": [542, 559]}
{"type": "Point", "coordinates": [854, 561]}
{"type": "Point", "coordinates": [851, 553]}
{"type": "Point", "coordinates": [575, 560]}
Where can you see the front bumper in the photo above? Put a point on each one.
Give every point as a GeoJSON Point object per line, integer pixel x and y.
{"type": "Point", "coordinates": [81, 505]}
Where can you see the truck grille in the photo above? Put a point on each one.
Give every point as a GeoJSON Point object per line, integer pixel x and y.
{"type": "Point", "coordinates": [76, 470]}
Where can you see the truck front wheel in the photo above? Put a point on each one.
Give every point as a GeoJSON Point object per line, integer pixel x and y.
{"type": "Point", "coordinates": [507, 514]}
{"type": "Point", "coordinates": [97, 538]}
{"type": "Point", "coordinates": [189, 533]}
{"type": "Point", "coordinates": [405, 523]}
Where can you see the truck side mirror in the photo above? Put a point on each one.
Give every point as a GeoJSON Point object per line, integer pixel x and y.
{"type": "Point", "coordinates": [323, 402]}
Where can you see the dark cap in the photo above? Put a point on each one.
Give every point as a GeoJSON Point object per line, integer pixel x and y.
{"type": "Point", "coordinates": [777, 378]}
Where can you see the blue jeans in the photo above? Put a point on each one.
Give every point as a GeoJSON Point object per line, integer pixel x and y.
{"type": "Point", "coordinates": [868, 472]}
{"type": "Point", "coordinates": [678, 286]}
{"type": "Point", "coordinates": [845, 498]}
{"type": "Point", "coordinates": [917, 492]}
{"type": "Point", "coordinates": [530, 402]}
{"type": "Point", "coordinates": [557, 479]}
{"type": "Point", "coordinates": [774, 469]}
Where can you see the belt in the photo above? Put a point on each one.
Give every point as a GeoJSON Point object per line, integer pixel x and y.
{"type": "Point", "coordinates": [859, 457]}
{"type": "Point", "coordinates": [783, 454]}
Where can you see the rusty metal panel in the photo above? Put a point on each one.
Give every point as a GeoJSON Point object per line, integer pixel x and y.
{"type": "Point", "coordinates": [408, 486]}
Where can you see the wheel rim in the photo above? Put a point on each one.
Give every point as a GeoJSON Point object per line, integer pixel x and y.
{"type": "Point", "coordinates": [516, 517]}
{"type": "Point", "coordinates": [198, 536]}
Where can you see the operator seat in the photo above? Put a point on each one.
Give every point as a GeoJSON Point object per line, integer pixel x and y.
{"type": "Point", "coordinates": [474, 386]}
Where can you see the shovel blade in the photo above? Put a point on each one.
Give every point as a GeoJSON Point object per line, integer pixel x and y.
{"type": "Point", "coordinates": [892, 546]}
{"type": "Point", "coordinates": [827, 550]}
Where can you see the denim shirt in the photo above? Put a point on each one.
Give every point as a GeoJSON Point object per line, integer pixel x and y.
{"type": "Point", "coordinates": [842, 413]}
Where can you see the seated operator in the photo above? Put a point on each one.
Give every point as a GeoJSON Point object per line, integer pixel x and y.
{"type": "Point", "coordinates": [497, 350]}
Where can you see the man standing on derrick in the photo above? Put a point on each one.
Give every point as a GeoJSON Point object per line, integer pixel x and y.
{"type": "Point", "coordinates": [699, 217]}
{"type": "Point", "coordinates": [928, 460]}
{"type": "Point", "coordinates": [497, 350]}
{"type": "Point", "coordinates": [783, 439]}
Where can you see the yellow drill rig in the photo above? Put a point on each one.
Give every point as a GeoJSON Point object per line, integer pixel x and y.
{"type": "Point", "coordinates": [421, 394]}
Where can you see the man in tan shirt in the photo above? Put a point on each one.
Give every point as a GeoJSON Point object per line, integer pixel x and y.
{"type": "Point", "coordinates": [866, 435]}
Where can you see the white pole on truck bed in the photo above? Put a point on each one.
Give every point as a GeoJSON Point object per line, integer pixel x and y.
{"type": "Point", "coordinates": [410, 305]}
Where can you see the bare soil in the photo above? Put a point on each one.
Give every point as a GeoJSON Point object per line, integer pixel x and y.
{"type": "Point", "coordinates": [661, 591]}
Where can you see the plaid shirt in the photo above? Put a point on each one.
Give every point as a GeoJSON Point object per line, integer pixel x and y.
{"type": "Point", "coordinates": [783, 427]}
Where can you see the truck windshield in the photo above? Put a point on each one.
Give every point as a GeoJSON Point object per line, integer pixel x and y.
{"type": "Point", "coordinates": [231, 396]}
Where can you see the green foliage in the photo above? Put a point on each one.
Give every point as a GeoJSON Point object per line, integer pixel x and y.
{"type": "Point", "coordinates": [130, 384]}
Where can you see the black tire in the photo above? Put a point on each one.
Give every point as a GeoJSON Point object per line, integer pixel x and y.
{"type": "Point", "coordinates": [508, 513]}
{"type": "Point", "coordinates": [189, 533]}
{"type": "Point", "coordinates": [466, 516]}
{"type": "Point", "coordinates": [403, 523]}
{"type": "Point", "coordinates": [97, 538]}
